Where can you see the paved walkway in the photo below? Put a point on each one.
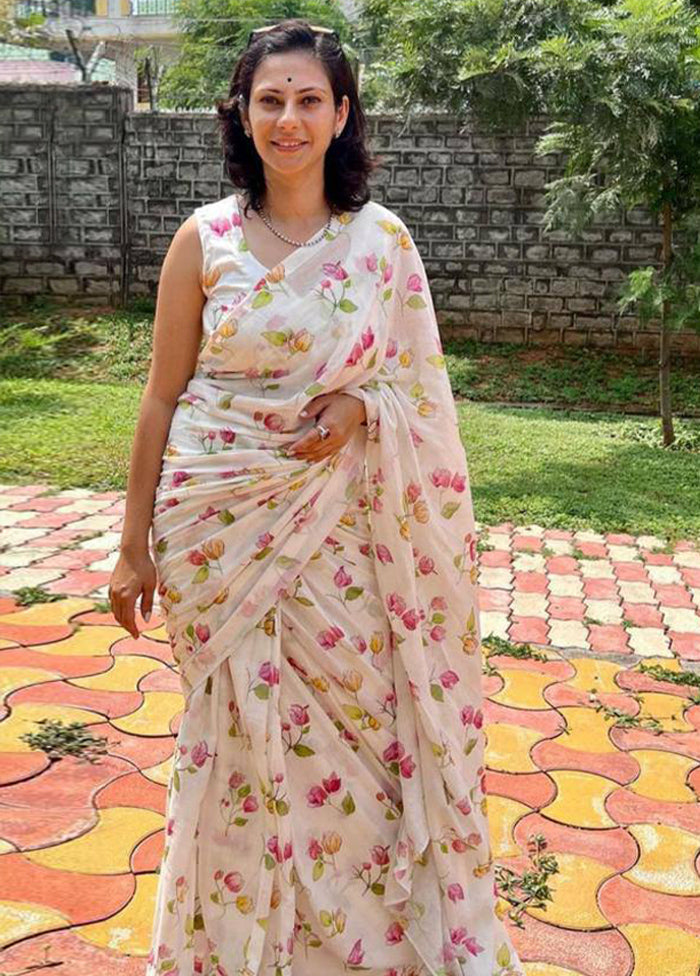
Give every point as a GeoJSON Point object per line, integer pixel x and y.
{"type": "Point", "coordinates": [593, 744]}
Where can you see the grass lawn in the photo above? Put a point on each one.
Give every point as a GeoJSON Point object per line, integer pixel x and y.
{"type": "Point", "coordinates": [70, 386]}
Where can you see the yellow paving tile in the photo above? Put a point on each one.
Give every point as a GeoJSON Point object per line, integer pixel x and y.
{"type": "Point", "coordinates": [666, 860]}
{"type": "Point", "coordinates": [13, 678]}
{"type": "Point", "coordinates": [4, 643]}
{"type": "Point", "coordinates": [20, 919]}
{"type": "Point", "coordinates": [129, 931]}
{"type": "Point", "coordinates": [523, 689]}
{"type": "Point", "coordinates": [580, 799]}
{"type": "Point", "coordinates": [670, 664]}
{"type": "Point", "coordinates": [47, 614]}
{"type": "Point", "coordinates": [664, 707]}
{"type": "Point", "coordinates": [159, 634]}
{"type": "Point", "coordinates": [574, 888]}
{"type": "Point", "coordinates": [662, 775]}
{"type": "Point", "coordinates": [589, 731]}
{"type": "Point", "coordinates": [124, 675]}
{"type": "Point", "coordinates": [508, 747]}
{"type": "Point", "coordinates": [503, 815]}
{"type": "Point", "coordinates": [160, 773]}
{"type": "Point", "coordinates": [548, 969]}
{"type": "Point", "coordinates": [85, 642]}
{"type": "Point", "coordinates": [660, 950]}
{"type": "Point", "coordinates": [155, 715]}
{"type": "Point", "coordinates": [24, 718]}
{"type": "Point", "coordinates": [6, 847]}
{"type": "Point", "coordinates": [107, 848]}
{"type": "Point", "coordinates": [594, 674]}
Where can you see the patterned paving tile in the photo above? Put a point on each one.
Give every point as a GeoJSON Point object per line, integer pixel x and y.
{"type": "Point", "coordinates": [584, 748]}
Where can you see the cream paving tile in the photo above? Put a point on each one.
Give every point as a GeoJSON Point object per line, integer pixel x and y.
{"type": "Point", "coordinates": [533, 529]}
{"type": "Point", "coordinates": [86, 506]}
{"type": "Point", "coordinates": [596, 569]}
{"type": "Point", "coordinates": [688, 558]}
{"type": "Point", "coordinates": [586, 535]}
{"type": "Point", "coordinates": [18, 578]}
{"type": "Point", "coordinates": [649, 642]}
{"type": "Point", "coordinates": [69, 493]}
{"type": "Point", "coordinates": [105, 540]}
{"type": "Point", "coordinates": [623, 554]}
{"type": "Point", "coordinates": [568, 633]}
{"type": "Point", "coordinates": [494, 623]}
{"type": "Point", "coordinates": [681, 619]}
{"type": "Point", "coordinates": [606, 611]}
{"type": "Point", "coordinates": [94, 522]}
{"type": "Point", "coordinates": [565, 585]}
{"type": "Point", "coordinates": [18, 537]}
{"type": "Point", "coordinates": [664, 574]}
{"type": "Point", "coordinates": [21, 919]}
{"type": "Point", "coordinates": [529, 604]}
{"type": "Point", "coordinates": [528, 562]}
{"type": "Point", "coordinates": [21, 556]}
{"type": "Point", "coordinates": [107, 564]}
{"type": "Point", "coordinates": [496, 577]}
{"type": "Point", "coordinates": [9, 518]}
{"type": "Point", "coordinates": [695, 596]}
{"type": "Point", "coordinates": [636, 592]}
{"type": "Point", "coordinates": [560, 547]}
{"type": "Point", "coordinates": [651, 542]}
{"type": "Point", "coordinates": [499, 540]}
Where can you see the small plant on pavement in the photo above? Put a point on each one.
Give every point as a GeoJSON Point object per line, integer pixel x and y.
{"type": "Point", "coordinates": [529, 890]}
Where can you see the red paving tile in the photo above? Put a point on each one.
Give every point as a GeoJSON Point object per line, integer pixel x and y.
{"type": "Point", "coordinates": [49, 520]}
{"type": "Point", "coordinates": [562, 534]}
{"type": "Point", "coordinates": [620, 539]}
{"type": "Point", "coordinates": [625, 903]}
{"type": "Point", "coordinates": [34, 634]}
{"type": "Point", "coordinates": [642, 615]}
{"type": "Point", "coordinates": [27, 827]}
{"type": "Point", "coordinates": [79, 582]}
{"type": "Point", "coordinates": [535, 790]}
{"type": "Point", "coordinates": [545, 720]}
{"type": "Point", "coordinates": [554, 754]}
{"type": "Point", "coordinates": [75, 666]}
{"type": "Point", "coordinates": [109, 704]}
{"type": "Point", "coordinates": [682, 743]}
{"type": "Point", "coordinates": [566, 608]}
{"type": "Point", "coordinates": [84, 958]}
{"type": "Point", "coordinates": [673, 595]}
{"type": "Point", "coordinates": [603, 953]}
{"type": "Point", "coordinates": [656, 558]}
{"type": "Point", "coordinates": [48, 504]}
{"type": "Point", "coordinates": [16, 766]}
{"type": "Point", "coordinates": [69, 782]}
{"type": "Point", "coordinates": [631, 572]}
{"type": "Point", "coordinates": [596, 549]}
{"type": "Point", "coordinates": [685, 645]}
{"type": "Point", "coordinates": [601, 589]}
{"type": "Point", "coordinates": [71, 559]}
{"type": "Point", "coordinates": [490, 599]}
{"type": "Point", "coordinates": [691, 576]}
{"type": "Point", "coordinates": [496, 558]}
{"type": "Point", "coordinates": [526, 543]}
{"type": "Point", "coordinates": [627, 807]}
{"type": "Point", "coordinates": [608, 639]}
{"type": "Point", "coordinates": [562, 565]}
{"type": "Point", "coordinates": [525, 629]}
{"type": "Point", "coordinates": [530, 582]}
{"type": "Point", "coordinates": [614, 847]}
{"type": "Point", "coordinates": [147, 855]}
{"type": "Point", "coordinates": [132, 790]}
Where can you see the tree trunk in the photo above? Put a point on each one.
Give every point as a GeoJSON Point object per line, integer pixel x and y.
{"type": "Point", "coordinates": [665, 340]}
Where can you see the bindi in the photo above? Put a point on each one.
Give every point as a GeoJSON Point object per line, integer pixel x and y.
{"type": "Point", "coordinates": [289, 79]}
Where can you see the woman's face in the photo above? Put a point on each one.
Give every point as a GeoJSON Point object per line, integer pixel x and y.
{"type": "Point", "coordinates": [291, 101]}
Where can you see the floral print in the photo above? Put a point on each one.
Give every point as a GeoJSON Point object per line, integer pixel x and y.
{"type": "Point", "coordinates": [326, 810]}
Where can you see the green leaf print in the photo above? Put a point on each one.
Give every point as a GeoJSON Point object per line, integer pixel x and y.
{"type": "Point", "coordinates": [262, 691]}
{"type": "Point", "coordinates": [243, 791]}
{"type": "Point", "coordinates": [353, 592]}
{"type": "Point", "coordinates": [437, 692]}
{"type": "Point", "coordinates": [348, 804]}
{"type": "Point", "coordinates": [314, 389]}
{"type": "Point", "coordinates": [276, 338]}
{"type": "Point", "coordinates": [201, 575]}
{"type": "Point", "coordinates": [226, 517]}
{"type": "Point", "coordinates": [415, 301]}
{"type": "Point", "coordinates": [301, 750]}
{"type": "Point", "coordinates": [262, 298]}
{"type": "Point", "coordinates": [377, 888]}
{"type": "Point", "coordinates": [345, 305]}
{"type": "Point", "coordinates": [318, 870]}
{"type": "Point", "coordinates": [448, 509]}
{"type": "Point", "coordinates": [240, 822]}
{"type": "Point", "coordinates": [263, 552]}
{"type": "Point", "coordinates": [282, 807]}
{"type": "Point", "coordinates": [386, 294]}
{"type": "Point", "coordinates": [469, 746]}
{"type": "Point", "coordinates": [176, 780]}
{"type": "Point", "coordinates": [354, 712]}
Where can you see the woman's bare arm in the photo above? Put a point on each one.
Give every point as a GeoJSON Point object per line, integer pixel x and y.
{"type": "Point", "coordinates": [177, 334]}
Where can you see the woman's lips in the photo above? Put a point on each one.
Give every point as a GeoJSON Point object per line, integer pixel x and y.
{"type": "Point", "coordinates": [288, 149]}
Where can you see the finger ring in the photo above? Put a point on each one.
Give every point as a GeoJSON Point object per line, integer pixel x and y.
{"type": "Point", "coordinates": [324, 432]}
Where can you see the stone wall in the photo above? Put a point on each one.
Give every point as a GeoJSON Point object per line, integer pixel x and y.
{"type": "Point", "coordinates": [92, 192]}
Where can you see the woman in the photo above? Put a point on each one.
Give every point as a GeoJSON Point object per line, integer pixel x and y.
{"type": "Point", "coordinates": [315, 550]}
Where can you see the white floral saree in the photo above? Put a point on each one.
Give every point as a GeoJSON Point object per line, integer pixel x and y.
{"type": "Point", "coordinates": [326, 808]}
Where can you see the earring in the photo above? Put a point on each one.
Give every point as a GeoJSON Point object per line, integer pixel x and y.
{"type": "Point", "coordinates": [247, 132]}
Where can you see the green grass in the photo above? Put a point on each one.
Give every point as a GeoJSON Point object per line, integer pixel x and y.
{"type": "Point", "coordinates": [71, 382]}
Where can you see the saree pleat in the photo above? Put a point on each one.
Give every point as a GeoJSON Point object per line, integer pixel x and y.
{"type": "Point", "coordinates": [326, 808]}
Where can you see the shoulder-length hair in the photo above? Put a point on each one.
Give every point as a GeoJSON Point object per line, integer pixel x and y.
{"type": "Point", "coordinates": [348, 162]}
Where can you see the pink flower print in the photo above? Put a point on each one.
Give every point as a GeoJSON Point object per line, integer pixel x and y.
{"type": "Point", "coordinates": [388, 272]}
{"type": "Point", "coordinates": [199, 754]}
{"type": "Point", "coordinates": [438, 603]}
{"type": "Point", "coordinates": [203, 633]}
{"type": "Point", "coordinates": [455, 892]}
{"type": "Point", "coordinates": [459, 481]}
{"type": "Point", "coordinates": [380, 854]}
{"type": "Point", "coordinates": [438, 633]}
{"type": "Point", "coordinates": [269, 673]}
{"type": "Point", "coordinates": [426, 565]}
{"type": "Point", "coordinates": [274, 848]}
{"type": "Point", "coordinates": [332, 783]}
{"type": "Point", "coordinates": [170, 826]}
{"type": "Point", "coordinates": [335, 270]}
{"type": "Point", "coordinates": [464, 806]}
{"type": "Point", "coordinates": [441, 477]}
{"type": "Point", "coordinates": [406, 766]}
{"type": "Point", "coordinates": [377, 504]}
{"type": "Point", "coordinates": [261, 283]}
{"type": "Point", "coordinates": [371, 262]}
{"type": "Point", "coordinates": [316, 796]}
{"type": "Point", "coordinates": [394, 933]}
{"type": "Point", "coordinates": [236, 219]}
{"type": "Point", "coordinates": [467, 714]}
{"type": "Point", "coordinates": [355, 354]}
{"type": "Point", "coordinates": [458, 935]}
{"type": "Point", "coordinates": [413, 491]}
{"type": "Point", "coordinates": [395, 750]}
{"type": "Point", "coordinates": [227, 435]}
{"type": "Point", "coordinates": [478, 718]}
{"type": "Point", "coordinates": [233, 880]}
{"type": "Point", "coordinates": [459, 846]}
{"type": "Point", "coordinates": [414, 283]}
{"type": "Point", "coordinates": [250, 804]}
{"type": "Point", "coordinates": [472, 946]}
{"type": "Point", "coordinates": [396, 603]}
{"type": "Point", "coordinates": [449, 678]}
{"type": "Point", "coordinates": [315, 850]}
{"type": "Point", "coordinates": [342, 578]}
{"type": "Point", "coordinates": [236, 779]}
{"type": "Point", "coordinates": [196, 557]}
{"type": "Point", "coordinates": [416, 439]}
{"type": "Point", "coordinates": [299, 714]}
{"type": "Point", "coordinates": [329, 638]}
{"type": "Point", "coordinates": [264, 540]}
{"type": "Point", "coordinates": [274, 421]}
{"type": "Point", "coordinates": [384, 554]}
{"type": "Point", "coordinates": [410, 619]}
{"type": "Point", "coordinates": [179, 477]}
{"type": "Point", "coordinates": [220, 226]}
{"type": "Point", "coordinates": [368, 338]}
{"type": "Point", "coordinates": [356, 954]}
{"type": "Point", "coordinates": [392, 347]}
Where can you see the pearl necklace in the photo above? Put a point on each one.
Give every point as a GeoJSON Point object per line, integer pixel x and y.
{"type": "Point", "coordinates": [317, 237]}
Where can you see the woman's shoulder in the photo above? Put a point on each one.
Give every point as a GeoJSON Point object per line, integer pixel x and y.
{"type": "Point", "coordinates": [374, 212]}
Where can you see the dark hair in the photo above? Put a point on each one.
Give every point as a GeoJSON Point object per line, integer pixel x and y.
{"type": "Point", "coordinates": [348, 162]}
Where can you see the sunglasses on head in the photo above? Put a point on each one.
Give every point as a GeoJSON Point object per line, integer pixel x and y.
{"type": "Point", "coordinates": [259, 31]}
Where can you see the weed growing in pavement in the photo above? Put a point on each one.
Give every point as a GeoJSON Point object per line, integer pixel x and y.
{"type": "Point", "coordinates": [498, 645]}
{"type": "Point", "coordinates": [529, 890]}
{"type": "Point", "coordinates": [622, 719]}
{"type": "Point", "coordinates": [659, 673]}
{"type": "Point", "coordinates": [58, 740]}
{"type": "Point", "coordinates": [25, 596]}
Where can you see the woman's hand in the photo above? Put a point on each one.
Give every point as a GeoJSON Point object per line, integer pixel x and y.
{"type": "Point", "coordinates": [341, 413]}
{"type": "Point", "coordinates": [134, 574]}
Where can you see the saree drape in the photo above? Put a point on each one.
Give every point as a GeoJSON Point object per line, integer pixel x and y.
{"type": "Point", "coordinates": [302, 596]}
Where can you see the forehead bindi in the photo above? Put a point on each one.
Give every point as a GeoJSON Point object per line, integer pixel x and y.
{"type": "Point", "coordinates": [300, 76]}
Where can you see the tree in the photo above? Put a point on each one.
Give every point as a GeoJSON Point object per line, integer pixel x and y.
{"type": "Point", "coordinates": [619, 83]}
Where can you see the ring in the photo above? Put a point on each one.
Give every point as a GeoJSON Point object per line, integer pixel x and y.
{"type": "Point", "coordinates": [324, 432]}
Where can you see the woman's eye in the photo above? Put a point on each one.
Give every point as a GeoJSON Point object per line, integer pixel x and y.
{"type": "Point", "coordinates": [270, 98]}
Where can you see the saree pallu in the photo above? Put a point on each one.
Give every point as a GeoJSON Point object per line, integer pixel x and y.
{"type": "Point", "coordinates": [326, 806]}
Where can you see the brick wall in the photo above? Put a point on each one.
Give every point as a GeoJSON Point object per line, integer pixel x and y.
{"type": "Point", "coordinates": [92, 192]}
